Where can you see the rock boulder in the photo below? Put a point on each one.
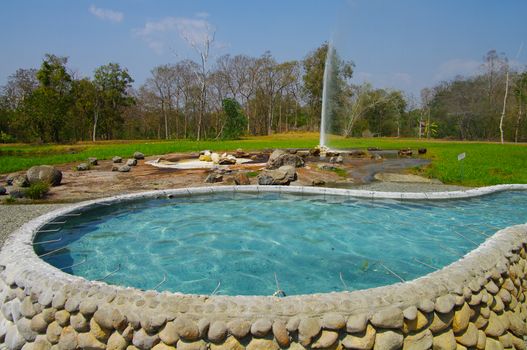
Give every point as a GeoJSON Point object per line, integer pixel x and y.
{"type": "Point", "coordinates": [44, 173]}
{"type": "Point", "coordinates": [280, 158]}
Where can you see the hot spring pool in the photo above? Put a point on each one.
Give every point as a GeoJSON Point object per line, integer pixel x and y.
{"type": "Point", "coordinates": [246, 243]}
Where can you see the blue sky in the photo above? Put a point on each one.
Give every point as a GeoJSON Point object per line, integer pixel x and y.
{"type": "Point", "coordinates": [407, 44]}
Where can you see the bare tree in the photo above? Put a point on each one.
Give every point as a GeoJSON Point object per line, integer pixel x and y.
{"type": "Point", "coordinates": [202, 44]}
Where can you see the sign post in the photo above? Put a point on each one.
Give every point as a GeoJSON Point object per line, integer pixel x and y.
{"type": "Point", "coordinates": [460, 158]}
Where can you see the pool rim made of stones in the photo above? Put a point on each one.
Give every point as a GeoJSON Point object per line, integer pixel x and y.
{"type": "Point", "coordinates": [484, 275]}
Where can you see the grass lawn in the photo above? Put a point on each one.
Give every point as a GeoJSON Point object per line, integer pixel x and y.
{"type": "Point", "coordinates": [485, 163]}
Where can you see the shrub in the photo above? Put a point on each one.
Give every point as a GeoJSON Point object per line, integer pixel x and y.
{"type": "Point", "coordinates": [37, 190]}
{"type": "Point", "coordinates": [235, 120]}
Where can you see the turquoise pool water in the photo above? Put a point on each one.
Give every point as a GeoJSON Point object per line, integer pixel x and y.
{"type": "Point", "coordinates": [243, 244]}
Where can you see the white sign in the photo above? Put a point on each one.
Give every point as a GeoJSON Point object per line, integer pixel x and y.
{"type": "Point", "coordinates": [461, 156]}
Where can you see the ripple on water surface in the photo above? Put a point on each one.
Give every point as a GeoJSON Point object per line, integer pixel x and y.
{"type": "Point", "coordinates": [310, 243]}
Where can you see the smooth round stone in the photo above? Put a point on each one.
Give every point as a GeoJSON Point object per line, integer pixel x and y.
{"type": "Point", "coordinates": [239, 328]}
{"type": "Point", "coordinates": [217, 331]}
{"type": "Point", "coordinates": [261, 327]}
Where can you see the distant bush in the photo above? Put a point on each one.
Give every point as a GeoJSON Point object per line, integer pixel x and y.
{"type": "Point", "coordinates": [37, 190]}
{"type": "Point", "coordinates": [235, 122]}
{"type": "Point", "coordinates": [6, 138]}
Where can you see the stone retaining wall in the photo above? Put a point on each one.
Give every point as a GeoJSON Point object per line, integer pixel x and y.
{"type": "Point", "coordinates": [476, 302]}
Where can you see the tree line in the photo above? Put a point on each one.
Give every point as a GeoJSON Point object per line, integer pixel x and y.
{"type": "Point", "coordinates": [243, 95]}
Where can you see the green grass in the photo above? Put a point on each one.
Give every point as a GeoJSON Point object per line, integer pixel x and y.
{"type": "Point", "coordinates": [485, 164]}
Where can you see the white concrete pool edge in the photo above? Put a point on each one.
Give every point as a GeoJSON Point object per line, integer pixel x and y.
{"type": "Point", "coordinates": [440, 291]}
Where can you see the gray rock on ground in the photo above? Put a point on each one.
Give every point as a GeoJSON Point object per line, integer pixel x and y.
{"type": "Point", "coordinates": [122, 168]}
{"type": "Point", "coordinates": [117, 159]}
{"type": "Point", "coordinates": [213, 178]}
{"type": "Point", "coordinates": [83, 167]}
{"type": "Point", "coordinates": [20, 181]}
{"type": "Point", "coordinates": [44, 173]}
{"type": "Point", "coordinates": [131, 162]}
{"type": "Point", "coordinates": [138, 155]}
{"type": "Point", "coordinates": [93, 161]}
{"type": "Point", "coordinates": [3, 190]}
{"type": "Point", "coordinates": [280, 158]}
{"type": "Point", "coordinates": [281, 176]}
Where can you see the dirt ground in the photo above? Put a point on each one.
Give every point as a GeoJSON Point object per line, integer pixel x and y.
{"type": "Point", "coordinates": [101, 181]}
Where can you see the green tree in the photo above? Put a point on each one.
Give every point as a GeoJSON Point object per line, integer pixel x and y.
{"type": "Point", "coordinates": [235, 119]}
{"type": "Point", "coordinates": [47, 107]}
{"type": "Point", "coordinates": [314, 70]}
{"type": "Point", "coordinates": [112, 84]}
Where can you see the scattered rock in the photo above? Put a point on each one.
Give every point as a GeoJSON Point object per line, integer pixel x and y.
{"type": "Point", "coordinates": [227, 160]}
{"type": "Point", "coordinates": [117, 159]}
{"type": "Point", "coordinates": [83, 167]}
{"type": "Point", "coordinates": [44, 173]}
{"type": "Point", "coordinates": [20, 181]}
{"type": "Point", "coordinates": [3, 191]}
{"type": "Point", "coordinates": [405, 152]}
{"type": "Point", "coordinates": [213, 178]}
{"type": "Point", "coordinates": [281, 176]}
{"type": "Point", "coordinates": [93, 161]}
{"type": "Point", "coordinates": [240, 153]}
{"type": "Point", "coordinates": [327, 167]}
{"type": "Point", "coordinates": [280, 158]}
{"type": "Point", "coordinates": [315, 152]}
{"type": "Point", "coordinates": [124, 168]}
{"type": "Point", "coordinates": [138, 155]}
{"type": "Point", "coordinates": [9, 179]}
{"type": "Point", "coordinates": [318, 182]}
{"type": "Point", "coordinates": [358, 153]}
{"type": "Point", "coordinates": [131, 162]}
{"type": "Point", "coordinates": [17, 193]}
{"type": "Point", "coordinates": [337, 159]}
{"type": "Point", "coordinates": [421, 151]}
{"type": "Point", "coordinates": [241, 179]}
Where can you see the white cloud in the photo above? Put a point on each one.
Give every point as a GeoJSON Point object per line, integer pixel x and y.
{"type": "Point", "coordinates": [451, 68]}
{"type": "Point", "coordinates": [194, 31]}
{"type": "Point", "coordinates": [106, 14]}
